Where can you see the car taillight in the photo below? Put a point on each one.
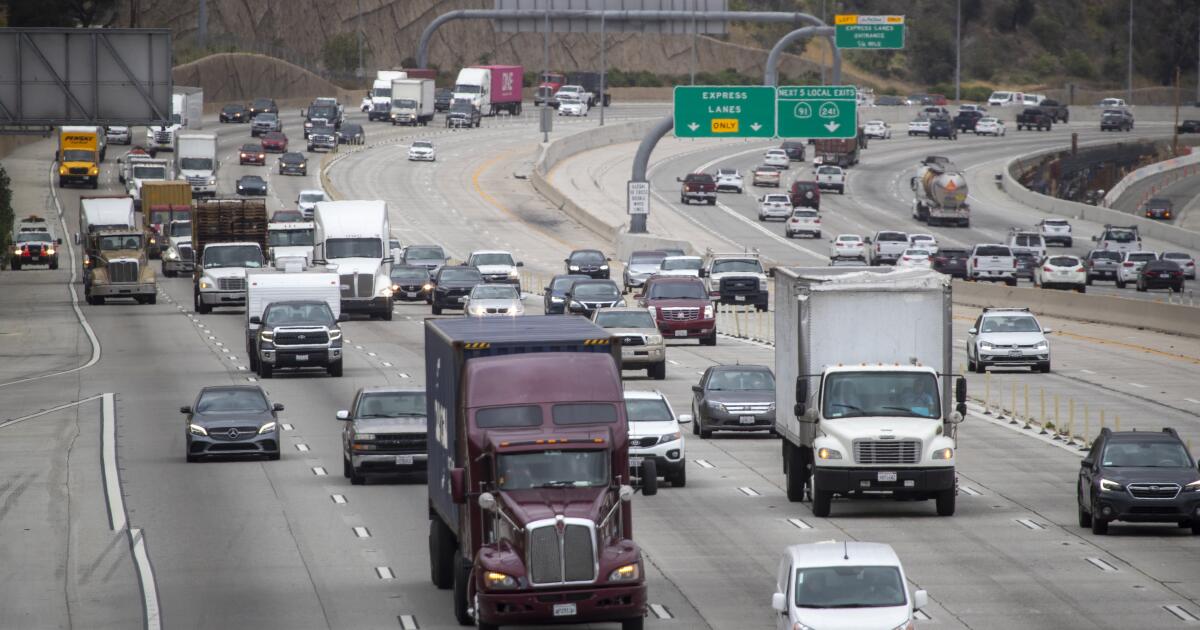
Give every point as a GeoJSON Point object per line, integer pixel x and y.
{"type": "Point", "coordinates": [939, 260]}
{"type": "Point", "coordinates": [816, 220]}
{"type": "Point", "coordinates": [1128, 264]}
{"type": "Point", "coordinates": [1079, 269]}
{"type": "Point", "coordinates": [1190, 264]}
{"type": "Point", "coordinates": [1047, 269]}
{"type": "Point", "coordinates": [1014, 263]}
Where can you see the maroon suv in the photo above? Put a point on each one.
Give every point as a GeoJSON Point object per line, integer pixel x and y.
{"type": "Point", "coordinates": [805, 194]}
{"type": "Point", "coordinates": [681, 308]}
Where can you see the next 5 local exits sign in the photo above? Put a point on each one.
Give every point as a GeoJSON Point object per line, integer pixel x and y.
{"type": "Point", "coordinates": [818, 111]}
{"type": "Point", "coordinates": [872, 32]}
{"type": "Point", "coordinates": [729, 111]}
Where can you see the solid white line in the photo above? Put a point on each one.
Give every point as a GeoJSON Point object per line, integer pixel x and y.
{"type": "Point", "coordinates": [146, 577]}
{"type": "Point", "coordinates": [108, 456]}
{"type": "Point", "coordinates": [386, 364]}
{"type": "Point", "coordinates": [921, 615]}
{"type": "Point", "coordinates": [672, 362]}
{"type": "Point", "coordinates": [384, 573]}
{"type": "Point", "coordinates": [1087, 371]}
{"type": "Point", "coordinates": [1102, 565]}
{"type": "Point", "coordinates": [799, 524]}
{"type": "Point", "coordinates": [362, 532]}
{"type": "Point", "coordinates": [1193, 401]}
{"type": "Point", "coordinates": [748, 491]}
{"type": "Point", "coordinates": [46, 411]}
{"type": "Point", "coordinates": [968, 490]}
{"type": "Point", "coordinates": [661, 611]}
{"type": "Point", "coordinates": [338, 499]}
{"type": "Point", "coordinates": [319, 471]}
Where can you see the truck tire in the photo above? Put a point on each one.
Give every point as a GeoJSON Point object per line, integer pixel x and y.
{"type": "Point", "coordinates": [462, 577]}
{"type": "Point", "coordinates": [442, 552]}
{"type": "Point", "coordinates": [649, 478]}
{"type": "Point", "coordinates": [153, 299]}
{"type": "Point", "coordinates": [201, 307]}
{"type": "Point", "coordinates": [657, 371]}
{"type": "Point", "coordinates": [822, 500]}
{"type": "Point", "coordinates": [15, 264]}
{"type": "Point", "coordinates": [678, 478]}
{"type": "Point", "coordinates": [437, 310]}
{"type": "Point", "coordinates": [711, 340]}
{"type": "Point", "coordinates": [637, 623]}
{"type": "Point", "coordinates": [945, 502]}
{"type": "Point", "coordinates": [265, 371]}
{"type": "Point", "coordinates": [797, 471]}
{"type": "Point", "coordinates": [335, 369]}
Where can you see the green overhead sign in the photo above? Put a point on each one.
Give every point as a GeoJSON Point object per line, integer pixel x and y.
{"type": "Point", "coordinates": [872, 32]}
{"type": "Point", "coordinates": [724, 111]}
{"type": "Point", "coordinates": [818, 111]}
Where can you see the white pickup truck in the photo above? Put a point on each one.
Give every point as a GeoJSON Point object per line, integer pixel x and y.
{"type": "Point", "coordinates": [886, 247]}
{"type": "Point", "coordinates": [832, 178]}
{"type": "Point", "coordinates": [992, 261]}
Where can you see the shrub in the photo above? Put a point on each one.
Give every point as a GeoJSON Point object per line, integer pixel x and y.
{"type": "Point", "coordinates": [1077, 64]}
{"type": "Point", "coordinates": [6, 214]}
{"type": "Point", "coordinates": [340, 53]}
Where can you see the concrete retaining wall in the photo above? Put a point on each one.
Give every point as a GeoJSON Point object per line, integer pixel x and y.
{"type": "Point", "coordinates": [1157, 168]}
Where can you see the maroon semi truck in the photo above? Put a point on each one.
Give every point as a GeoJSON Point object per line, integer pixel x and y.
{"type": "Point", "coordinates": [529, 483]}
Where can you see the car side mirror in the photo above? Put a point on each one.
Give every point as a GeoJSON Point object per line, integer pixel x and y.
{"type": "Point", "coordinates": [867, 240]}
{"type": "Point", "coordinates": [77, 238]}
{"type": "Point", "coordinates": [185, 409]}
{"type": "Point", "coordinates": [779, 603]}
{"type": "Point", "coordinates": [972, 331]}
{"type": "Point", "coordinates": [343, 414]}
{"type": "Point", "coordinates": [1047, 331]}
{"type": "Point", "coordinates": [697, 389]}
{"type": "Point", "coordinates": [771, 272]}
{"type": "Point", "coordinates": [546, 289]}
{"type": "Point", "coordinates": [256, 320]}
{"type": "Point", "coordinates": [457, 492]}
{"type": "Point", "coordinates": [1096, 239]}
{"type": "Point", "coordinates": [703, 273]}
{"type": "Point", "coordinates": [685, 418]}
{"type": "Point", "coordinates": [1086, 463]}
{"type": "Point", "coordinates": [277, 407]}
{"type": "Point", "coordinates": [520, 264]}
{"type": "Point", "coordinates": [920, 599]}
{"type": "Point", "coordinates": [567, 260]}
{"type": "Point", "coordinates": [58, 241]}
{"type": "Point", "coordinates": [679, 179]}
{"type": "Point", "coordinates": [343, 317]}
{"type": "Point", "coordinates": [608, 259]}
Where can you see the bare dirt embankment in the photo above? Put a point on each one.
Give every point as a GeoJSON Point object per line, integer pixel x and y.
{"type": "Point", "coordinates": [240, 77]}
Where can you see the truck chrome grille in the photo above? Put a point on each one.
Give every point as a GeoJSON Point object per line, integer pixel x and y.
{"type": "Point", "coordinates": [633, 340]}
{"type": "Point", "coordinates": [887, 451]}
{"type": "Point", "coordinates": [231, 284]}
{"type": "Point", "coordinates": [302, 337]}
{"type": "Point", "coordinates": [357, 285]}
{"type": "Point", "coordinates": [404, 442]}
{"type": "Point", "coordinates": [1154, 490]}
{"type": "Point", "coordinates": [123, 271]}
{"type": "Point", "coordinates": [569, 557]}
{"type": "Point", "coordinates": [78, 170]}
{"type": "Point", "coordinates": [680, 313]}
{"type": "Point", "coordinates": [739, 285]}
{"type": "Point", "coordinates": [162, 137]}
{"type": "Point", "coordinates": [185, 253]}
{"type": "Point", "coordinates": [197, 180]}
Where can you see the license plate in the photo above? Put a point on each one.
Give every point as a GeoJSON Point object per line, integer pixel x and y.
{"type": "Point", "coordinates": [1014, 353]}
{"type": "Point", "coordinates": [746, 419]}
{"type": "Point", "coordinates": [564, 610]}
{"type": "Point", "coordinates": [301, 357]}
{"type": "Point", "coordinates": [680, 333]}
{"type": "Point", "coordinates": [412, 294]}
{"type": "Point", "coordinates": [739, 298]}
{"type": "Point", "coordinates": [886, 476]}
{"type": "Point", "coordinates": [35, 258]}
{"type": "Point", "coordinates": [635, 462]}
{"type": "Point", "coordinates": [404, 460]}
{"type": "Point", "coordinates": [460, 299]}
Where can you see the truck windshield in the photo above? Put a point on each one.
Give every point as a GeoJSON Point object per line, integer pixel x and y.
{"type": "Point", "coordinates": [1119, 236]}
{"type": "Point", "coordinates": [678, 291]}
{"type": "Point", "coordinates": [353, 248]}
{"type": "Point", "coordinates": [466, 88]}
{"type": "Point", "coordinates": [280, 238]}
{"type": "Point", "coordinates": [149, 172]}
{"type": "Point", "coordinates": [382, 92]}
{"type": "Point", "coordinates": [625, 319]}
{"type": "Point", "coordinates": [195, 164]}
{"type": "Point", "coordinates": [327, 112]}
{"type": "Point", "coordinates": [673, 264]}
{"type": "Point", "coordinates": [491, 259]}
{"type": "Point", "coordinates": [404, 103]}
{"type": "Point", "coordinates": [737, 266]}
{"type": "Point", "coordinates": [849, 587]}
{"type": "Point", "coordinates": [905, 395]}
{"type": "Point", "coordinates": [308, 314]}
{"type": "Point", "coordinates": [552, 469]}
{"type": "Point", "coordinates": [232, 256]}
{"type": "Point", "coordinates": [118, 242]}
{"type": "Point", "coordinates": [34, 237]}
{"type": "Point", "coordinates": [391, 405]}
{"type": "Point", "coordinates": [181, 228]}
{"type": "Point", "coordinates": [77, 155]}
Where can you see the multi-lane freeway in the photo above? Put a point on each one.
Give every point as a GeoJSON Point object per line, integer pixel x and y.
{"type": "Point", "coordinates": [292, 544]}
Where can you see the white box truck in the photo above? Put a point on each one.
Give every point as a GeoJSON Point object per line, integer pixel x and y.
{"type": "Point", "coordinates": [381, 93]}
{"type": "Point", "coordinates": [353, 237]}
{"type": "Point", "coordinates": [412, 101]}
{"type": "Point", "coordinates": [196, 162]}
{"type": "Point", "coordinates": [865, 401]}
{"type": "Point", "coordinates": [264, 286]}
{"type": "Point", "coordinates": [187, 111]}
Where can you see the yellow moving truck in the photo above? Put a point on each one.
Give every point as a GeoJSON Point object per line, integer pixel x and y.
{"type": "Point", "coordinates": [80, 151]}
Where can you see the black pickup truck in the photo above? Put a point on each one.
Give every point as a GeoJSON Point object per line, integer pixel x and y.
{"type": "Point", "coordinates": [1057, 111]}
{"type": "Point", "coordinates": [965, 120]}
{"type": "Point", "coordinates": [1033, 118]}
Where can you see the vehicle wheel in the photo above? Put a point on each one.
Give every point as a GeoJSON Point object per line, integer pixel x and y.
{"type": "Point", "coordinates": [437, 310]}
{"type": "Point", "coordinates": [462, 575]}
{"type": "Point", "coordinates": [658, 371]}
{"type": "Point", "coordinates": [274, 457]}
{"type": "Point", "coordinates": [649, 478]}
{"type": "Point", "coordinates": [15, 264]}
{"type": "Point", "coordinates": [797, 471]}
{"type": "Point", "coordinates": [346, 469]}
{"type": "Point", "coordinates": [1081, 289]}
{"type": "Point", "coordinates": [945, 502]}
{"type": "Point", "coordinates": [153, 299]}
{"type": "Point", "coordinates": [1196, 528]}
{"type": "Point", "coordinates": [695, 421]}
{"type": "Point", "coordinates": [201, 307]}
{"type": "Point", "coordinates": [98, 300]}
{"type": "Point", "coordinates": [1085, 517]}
{"type": "Point", "coordinates": [1044, 368]}
{"type": "Point", "coordinates": [387, 314]}
{"type": "Point", "coordinates": [335, 369]}
{"type": "Point", "coordinates": [980, 367]}
{"type": "Point", "coordinates": [1099, 525]}
{"type": "Point", "coordinates": [1120, 283]}
{"type": "Point", "coordinates": [356, 478]}
{"type": "Point", "coordinates": [637, 623]}
{"type": "Point", "coordinates": [817, 234]}
{"type": "Point", "coordinates": [704, 433]}
{"type": "Point", "coordinates": [678, 478]}
{"type": "Point", "coordinates": [971, 364]}
{"type": "Point", "coordinates": [683, 200]}
{"type": "Point", "coordinates": [1012, 282]}
{"type": "Point", "coordinates": [709, 341]}
{"type": "Point", "coordinates": [1088, 282]}
{"type": "Point", "coordinates": [441, 554]}
{"type": "Point", "coordinates": [1141, 288]}
{"type": "Point", "coordinates": [1068, 243]}
{"type": "Point", "coordinates": [54, 264]}
{"type": "Point", "coordinates": [822, 500]}
{"type": "Point", "coordinates": [265, 371]}
{"type": "Point", "coordinates": [191, 459]}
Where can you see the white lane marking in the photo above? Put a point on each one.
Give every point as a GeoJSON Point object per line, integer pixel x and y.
{"type": "Point", "coordinates": [251, 379]}
{"type": "Point", "coordinates": [672, 362]}
{"type": "Point", "coordinates": [241, 368]}
{"type": "Point", "coordinates": [370, 354]}
{"type": "Point", "coordinates": [1193, 401]}
{"type": "Point", "coordinates": [968, 490]}
{"type": "Point", "coordinates": [1102, 565]}
{"type": "Point", "coordinates": [1029, 523]}
{"type": "Point", "coordinates": [1182, 613]}
{"type": "Point", "coordinates": [303, 448]}
{"type": "Point", "coordinates": [149, 586]}
{"type": "Point", "coordinates": [362, 532]}
{"type": "Point", "coordinates": [1138, 385]}
{"type": "Point", "coordinates": [46, 411]}
{"type": "Point", "coordinates": [748, 491]}
{"type": "Point", "coordinates": [219, 344]}
{"type": "Point", "coordinates": [408, 622]}
{"type": "Point", "coordinates": [319, 471]}
{"type": "Point", "coordinates": [403, 375]}
{"type": "Point", "coordinates": [387, 364]}
{"type": "Point", "coordinates": [661, 611]}
{"type": "Point", "coordinates": [358, 347]}
{"type": "Point", "coordinates": [338, 499]}
{"type": "Point", "coordinates": [1087, 371]}
{"type": "Point", "coordinates": [384, 573]}
{"type": "Point", "coordinates": [287, 427]}
{"type": "Point", "coordinates": [704, 463]}
{"type": "Point", "coordinates": [108, 454]}
{"type": "Point", "coordinates": [799, 524]}
{"type": "Point", "coordinates": [224, 349]}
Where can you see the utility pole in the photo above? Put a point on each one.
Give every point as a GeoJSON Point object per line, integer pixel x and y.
{"type": "Point", "coordinates": [695, 35]}
{"type": "Point", "coordinates": [825, 20]}
{"type": "Point", "coordinates": [1175, 128]}
{"type": "Point", "coordinates": [545, 69]}
{"type": "Point", "coordinates": [958, 52]}
{"type": "Point", "coordinates": [1129, 79]}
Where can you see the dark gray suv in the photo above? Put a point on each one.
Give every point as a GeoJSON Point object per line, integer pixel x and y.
{"type": "Point", "coordinates": [1138, 477]}
{"type": "Point", "coordinates": [232, 420]}
{"type": "Point", "coordinates": [384, 432]}
{"type": "Point", "coordinates": [734, 398]}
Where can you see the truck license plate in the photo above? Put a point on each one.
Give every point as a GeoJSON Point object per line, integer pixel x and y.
{"type": "Point", "coordinates": [680, 333]}
{"type": "Point", "coordinates": [404, 460]}
{"type": "Point", "coordinates": [886, 476]}
{"type": "Point", "coordinates": [301, 357]}
{"type": "Point", "coordinates": [636, 462]}
{"type": "Point", "coordinates": [746, 419]}
{"type": "Point", "coordinates": [564, 610]}
{"type": "Point", "coordinates": [739, 298]}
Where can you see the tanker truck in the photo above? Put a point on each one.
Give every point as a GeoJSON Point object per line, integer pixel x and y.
{"type": "Point", "coordinates": [940, 193]}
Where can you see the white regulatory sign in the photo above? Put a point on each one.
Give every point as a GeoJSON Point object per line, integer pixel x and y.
{"type": "Point", "coordinates": [639, 198]}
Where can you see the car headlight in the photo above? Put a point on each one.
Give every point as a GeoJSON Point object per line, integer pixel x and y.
{"type": "Point", "coordinates": [335, 334]}
{"type": "Point", "coordinates": [654, 340]}
{"type": "Point", "coordinates": [573, 267]}
{"type": "Point", "coordinates": [716, 405]}
{"type": "Point", "coordinates": [670, 437]}
{"type": "Point", "coordinates": [828, 453]}
{"type": "Point", "coordinates": [499, 580]}
{"type": "Point", "coordinates": [364, 436]}
{"type": "Point", "coordinates": [653, 311]}
{"type": "Point", "coordinates": [49, 251]}
{"type": "Point", "coordinates": [1192, 487]}
{"type": "Point", "coordinates": [576, 304]}
{"type": "Point", "coordinates": [986, 345]}
{"type": "Point", "coordinates": [620, 303]}
{"type": "Point", "coordinates": [267, 335]}
{"type": "Point", "coordinates": [555, 299]}
{"type": "Point", "coordinates": [267, 428]}
{"type": "Point", "coordinates": [475, 310]}
{"type": "Point", "coordinates": [708, 312]}
{"type": "Point", "coordinates": [603, 267]}
{"type": "Point", "coordinates": [1108, 485]}
{"type": "Point", "coordinates": [196, 429]}
{"type": "Point", "coordinates": [1042, 345]}
{"type": "Point", "coordinates": [627, 573]}
{"type": "Point", "coordinates": [944, 453]}
{"type": "Point", "coordinates": [427, 287]}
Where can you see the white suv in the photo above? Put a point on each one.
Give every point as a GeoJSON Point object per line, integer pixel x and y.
{"type": "Point", "coordinates": [655, 436]}
{"type": "Point", "coordinates": [1055, 231]}
{"type": "Point", "coordinates": [1131, 264]}
{"type": "Point", "coordinates": [1007, 336]}
{"type": "Point", "coordinates": [1028, 241]}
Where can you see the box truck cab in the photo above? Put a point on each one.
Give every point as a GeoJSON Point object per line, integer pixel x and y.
{"type": "Point", "coordinates": [196, 162]}
{"type": "Point", "coordinates": [381, 93]}
{"type": "Point", "coordinates": [529, 487]}
{"type": "Point", "coordinates": [187, 108]}
{"type": "Point", "coordinates": [290, 239]}
{"type": "Point", "coordinates": [80, 152]}
{"type": "Point", "coordinates": [863, 359]}
{"type": "Point", "coordinates": [412, 101]}
{"type": "Point", "coordinates": [353, 237]}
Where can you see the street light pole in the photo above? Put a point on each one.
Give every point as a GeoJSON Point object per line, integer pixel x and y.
{"type": "Point", "coordinates": [603, 68]}
{"type": "Point", "coordinates": [545, 70]}
{"type": "Point", "coordinates": [1129, 79]}
{"type": "Point", "coordinates": [958, 52]}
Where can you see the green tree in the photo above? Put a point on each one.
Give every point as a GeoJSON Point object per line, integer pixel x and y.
{"type": "Point", "coordinates": [1077, 64]}
{"type": "Point", "coordinates": [340, 52]}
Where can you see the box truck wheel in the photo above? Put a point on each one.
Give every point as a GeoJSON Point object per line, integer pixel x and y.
{"type": "Point", "coordinates": [462, 575]}
{"type": "Point", "coordinates": [442, 548]}
{"type": "Point", "coordinates": [797, 471]}
{"type": "Point", "coordinates": [945, 502]}
{"type": "Point", "coordinates": [821, 499]}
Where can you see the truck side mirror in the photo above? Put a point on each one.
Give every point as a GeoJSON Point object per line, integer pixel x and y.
{"type": "Point", "coordinates": [457, 492]}
{"type": "Point", "coordinates": [679, 179]}
{"type": "Point", "coordinates": [343, 317]}
{"type": "Point", "coordinates": [960, 390]}
{"type": "Point", "coordinates": [703, 273]}
{"type": "Point", "coordinates": [277, 407]}
{"type": "Point", "coordinates": [912, 183]}
{"type": "Point", "coordinates": [696, 388]}
{"type": "Point", "coordinates": [77, 238]}
{"type": "Point", "coordinates": [58, 241]}
{"type": "Point", "coordinates": [256, 320]}
{"type": "Point", "coordinates": [342, 414]}
{"type": "Point", "coordinates": [520, 264]}
{"type": "Point", "coordinates": [920, 600]}
{"type": "Point", "coordinates": [801, 406]}
{"type": "Point", "coordinates": [779, 603]}
{"type": "Point", "coordinates": [771, 272]}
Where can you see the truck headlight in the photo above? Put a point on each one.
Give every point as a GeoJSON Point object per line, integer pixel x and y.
{"type": "Point", "coordinates": [267, 335]}
{"type": "Point", "coordinates": [654, 340]}
{"type": "Point", "coordinates": [196, 429]}
{"type": "Point", "coordinates": [499, 580]}
{"type": "Point", "coordinates": [62, 170]}
{"type": "Point", "coordinates": [828, 453]}
{"type": "Point", "coordinates": [762, 284]}
{"type": "Point", "coordinates": [267, 428]}
{"type": "Point", "coordinates": [385, 292]}
{"type": "Point", "coordinates": [513, 273]}
{"type": "Point", "coordinates": [93, 170]}
{"type": "Point", "coordinates": [944, 453]}
{"type": "Point", "coordinates": [708, 312]}
{"type": "Point", "coordinates": [1108, 485]}
{"type": "Point", "coordinates": [335, 334]}
{"type": "Point", "coordinates": [205, 284]}
{"type": "Point", "coordinates": [212, 181]}
{"type": "Point", "coordinates": [555, 299]}
{"type": "Point", "coordinates": [653, 311]}
{"type": "Point", "coordinates": [627, 573]}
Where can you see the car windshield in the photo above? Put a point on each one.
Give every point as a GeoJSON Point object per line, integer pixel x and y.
{"type": "Point", "coordinates": [678, 291]}
{"type": "Point", "coordinates": [849, 587]}
{"type": "Point", "coordinates": [276, 136]}
{"type": "Point", "coordinates": [292, 158]}
{"type": "Point", "coordinates": [251, 180]}
{"type": "Point", "coordinates": [232, 256]}
{"type": "Point", "coordinates": [1140, 256]}
{"type": "Point", "coordinates": [552, 469]}
{"type": "Point", "coordinates": [595, 291]}
{"type": "Point", "coordinates": [671, 264]}
{"type": "Point", "coordinates": [400, 274]}
{"type": "Point", "coordinates": [1105, 255]}
{"type": "Point", "coordinates": [353, 248]}
{"type": "Point", "coordinates": [994, 250]}
{"type": "Point", "coordinates": [563, 283]}
{"type": "Point", "coordinates": [1009, 324]}
{"type": "Point", "coordinates": [227, 400]}
{"type": "Point", "coordinates": [1029, 240]}
{"type": "Point", "coordinates": [1148, 454]}
{"type": "Point", "coordinates": [625, 319]}
{"type": "Point", "coordinates": [424, 253]}
{"type": "Point", "coordinates": [892, 236]}
{"type": "Point", "coordinates": [494, 292]}
{"type": "Point", "coordinates": [280, 238]}
{"type": "Point", "coordinates": [588, 258]}
{"type": "Point", "coordinates": [124, 241]}
{"type": "Point", "coordinates": [894, 394]}
{"type": "Point", "coordinates": [648, 410]}
{"type": "Point", "coordinates": [262, 103]}
{"type": "Point", "coordinates": [777, 199]}
{"type": "Point", "coordinates": [463, 107]}
{"type": "Point", "coordinates": [251, 148]}
{"type": "Point", "coordinates": [1176, 256]}
{"type": "Point", "coordinates": [195, 164]}
{"type": "Point", "coordinates": [422, 144]}
{"type": "Point", "coordinates": [741, 380]}
{"type": "Point", "coordinates": [491, 259]}
{"type": "Point", "coordinates": [655, 260]}
{"type": "Point", "coordinates": [307, 313]}
{"type": "Point", "coordinates": [1056, 222]}
{"type": "Point", "coordinates": [1064, 261]}
{"type": "Point", "coordinates": [726, 172]}
{"type": "Point", "coordinates": [916, 253]}
{"type": "Point", "coordinates": [311, 197]}
{"type": "Point", "coordinates": [849, 239]}
{"type": "Point", "coordinates": [229, 109]}
{"type": "Point", "coordinates": [266, 117]}
{"type": "Point", "coordinates": [78, 155]}
{"type": "Point", "coordinates": [736, 266]}
{"type": "Point", "coordinates": [460, 275]}
{"type": "Point", "coordinates": [390, 405]}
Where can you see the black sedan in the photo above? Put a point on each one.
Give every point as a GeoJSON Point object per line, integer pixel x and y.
{"type": "Point", "coordinates": [410, 283]}
{"type": "Point", "coordinates": [234, 114]}
{"type": "Point", "coordinates": [1158, 208]}
{"type": "Point", "coordinates": [252, 185]}
{"type": "Point", "coordinates": [1189, 126]}
{"type": "Point", "coordinates": [293, 164]}
{"type": "Point", "coordinates": [252, 154]}
{"type": "Point", "coordinates": [589, 262]}
{"type": "Point", "coordinates": [451, 286]}
{"type": "Point", "coordinates": [951, 261]}
{"type": "Point", "coordinates": [351, 133]}
{"type": "Point", "coordinates": [1160, 274]}
{"type": "Point", "coordinates": [232, 420]}
{"type": "Point", "coordinates": [260, 105]}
